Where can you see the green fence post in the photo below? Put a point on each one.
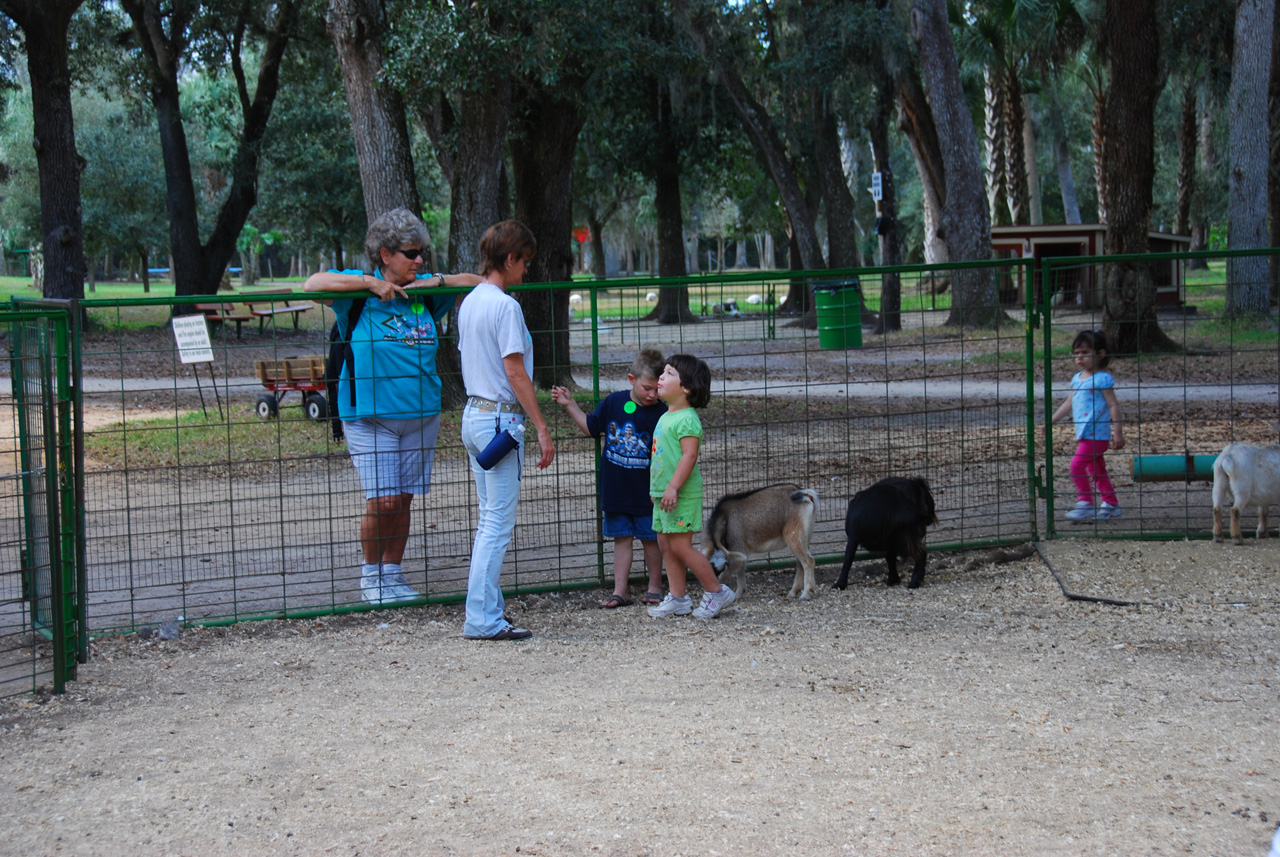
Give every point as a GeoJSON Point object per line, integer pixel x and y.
{"type": "Point", "coordinates": [595, 393]}
{"type": "Point", "coordinates": [1046, 489]}
{"type": "Point", "coordinates": [1034, 310]}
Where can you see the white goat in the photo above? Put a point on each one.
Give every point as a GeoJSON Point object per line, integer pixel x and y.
{"type": "Point", "coordinates": [1247, 475]}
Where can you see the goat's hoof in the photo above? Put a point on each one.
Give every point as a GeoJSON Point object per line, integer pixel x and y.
{"type": "Point", "coordinates": [1217, 540]}
{"type": "Point", "coordinates": [1237, 542]}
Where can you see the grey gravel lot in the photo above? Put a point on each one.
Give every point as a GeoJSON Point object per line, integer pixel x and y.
{"type": "Point", "coordinates": [984, 713]}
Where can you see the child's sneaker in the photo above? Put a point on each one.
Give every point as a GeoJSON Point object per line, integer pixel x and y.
{"type": "Point", "coordinates": [714, 602]}
{"type": "Point", "coordinates": [672, 606]}
{"type": "Point", "coordinates": [1083, 511]}
{"type": "Point", "coordinates": [1108, 512]}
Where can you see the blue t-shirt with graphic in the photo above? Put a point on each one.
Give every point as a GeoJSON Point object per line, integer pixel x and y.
{"type": "Point", "coordinates": [394, 347]}
{"type": "Point", "coordinates": [624, 463]}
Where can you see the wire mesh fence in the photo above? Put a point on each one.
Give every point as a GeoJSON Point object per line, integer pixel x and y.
{"type": "Point", "coordinates": [1209, 376]}
{"type": "Point", "coordinates": [41, 633]}
{"type": "Point", "coordinates": [205, 505]}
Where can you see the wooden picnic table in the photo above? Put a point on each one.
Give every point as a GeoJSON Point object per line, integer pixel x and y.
{"type": "Point", "coordinates": [272, 311]}
{"type": "Point", "coordinates": [223, 314]}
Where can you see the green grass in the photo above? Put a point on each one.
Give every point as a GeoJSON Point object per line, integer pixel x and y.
{"type": "Point", "coordinates": [621, 301]}
{"type": "Point", "coordinates": [1225, 333]}
{"type": "Point", "coordinates": [145, 317]}
{"type": "Point", "coordinates": [115, 290]}
{"type": "Point", "coordinates": [194, 440]}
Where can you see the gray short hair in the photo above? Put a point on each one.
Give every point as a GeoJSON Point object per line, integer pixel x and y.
{"type": "Point", "coordinates": [393, 230]}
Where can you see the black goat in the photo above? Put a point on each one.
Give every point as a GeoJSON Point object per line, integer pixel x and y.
{"type": "Point", "coordinates": [891, 517]}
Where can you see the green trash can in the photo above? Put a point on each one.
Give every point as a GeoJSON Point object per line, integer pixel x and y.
{"type": "Point", "coordinates": [839, 311]}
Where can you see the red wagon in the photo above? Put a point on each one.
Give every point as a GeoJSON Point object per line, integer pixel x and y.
{"type": "Point", "coordinates": [303, 374]}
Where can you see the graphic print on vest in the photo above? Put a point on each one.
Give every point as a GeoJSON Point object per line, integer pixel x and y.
{"type": "Point", "coordinates": [401, 328]}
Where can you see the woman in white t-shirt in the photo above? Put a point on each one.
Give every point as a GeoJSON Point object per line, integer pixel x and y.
{"type": "Point", "coordinates": [497, 369]}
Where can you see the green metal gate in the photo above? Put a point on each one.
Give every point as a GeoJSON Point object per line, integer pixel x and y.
{"type": "Point", "coordinates": [42, 630]}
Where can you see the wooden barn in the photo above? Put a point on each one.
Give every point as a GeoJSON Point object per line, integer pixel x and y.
{"type": "Point", "coordinates": [1080, 285]}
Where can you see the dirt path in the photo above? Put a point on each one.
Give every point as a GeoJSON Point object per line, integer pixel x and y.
{"type": "Point", "coordinates": [981, 714]}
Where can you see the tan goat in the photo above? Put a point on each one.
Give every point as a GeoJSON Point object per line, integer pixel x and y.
{"type": "Point", "coordinates": [765, 519]}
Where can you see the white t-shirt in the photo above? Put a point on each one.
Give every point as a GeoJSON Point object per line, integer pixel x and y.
{"type": "Point", "coordinates": [490, 327]}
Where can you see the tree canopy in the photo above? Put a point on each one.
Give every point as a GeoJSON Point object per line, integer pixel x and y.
{"type": "Point", "coordinates": [677, 132]}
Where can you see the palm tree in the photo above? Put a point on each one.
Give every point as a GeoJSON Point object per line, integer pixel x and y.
{"type": "Point", "coordinates": [1015, 43]}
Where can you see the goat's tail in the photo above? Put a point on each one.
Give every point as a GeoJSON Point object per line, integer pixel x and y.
{"type": "Point", "coordinates": [809, 495]}
{"type": "Point", "coordinates": [713, 532]}
{"type": "Point", "coordinates": [1222, 494]}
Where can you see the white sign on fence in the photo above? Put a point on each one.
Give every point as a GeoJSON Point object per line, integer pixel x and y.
{"type": "Point", "coordinates": [192, 336]}
{"type": "Point", "coordinates": [877, 188]}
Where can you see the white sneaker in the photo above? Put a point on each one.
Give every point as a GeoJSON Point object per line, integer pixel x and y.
{"type": "Point", "coordinates": [672, 606]}
{"type": "Point", "coordinates": [1109, 512]}
{"type": "Point", "coordinates": [714, 602]}
{"type": "Point", "coordinates": [396, 588]}
{"type": "Point", "coordinates": [371, 588]}
{"type": "Point", "coordinates": [378, 588]}
{"type": "Point", "coordinates": [1083, 511]}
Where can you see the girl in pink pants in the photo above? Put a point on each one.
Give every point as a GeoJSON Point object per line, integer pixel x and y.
{"type": "Point", "coordinates": [1094, 409]}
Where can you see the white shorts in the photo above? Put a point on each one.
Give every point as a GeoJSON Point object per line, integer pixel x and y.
{"type": "Point", "coordinates": [393, 456]}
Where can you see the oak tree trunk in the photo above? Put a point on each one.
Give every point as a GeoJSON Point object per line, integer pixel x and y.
{"type": "Point", "coordinates": [1248, 277]}
{"type": "Point", "coordinates": [44, 26]}
{"type": "Point", "coordinates": [380, 130]}
{"type": "Point", "coordinates": [1208, 165]}
{"type": "Point", "coordinates": [596, 224]}
{"type": "Point", "coordinates": [966, 221]}
{"type": "Point", "coordinates": [1273, 172]}
{"type": "Point", "coordinates": [1067, 181]}
{"type": "Point", "coordinates": [890, 317]}
{"type": "Point", "coordinates": [673, 301]}
{"type": "Point", "coordinates": [477, 170]}
{"type": "Point", "coordinates": [378, 123]}
{"type": "Point", "coordinates": [1129, 291]}
{"type": "Point", "coordinates": [916, 122]}
{"type": "Point", "coordinates": [1186, 158]}
{"type": "Point", "coordinates": [842, 241]}
{"type": "Point", "coordinates": [161, 34]}
{"type": "Point", "coordinates": [542, 175]}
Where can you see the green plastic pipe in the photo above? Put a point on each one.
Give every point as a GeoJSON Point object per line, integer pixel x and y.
{"type": "Point", "coordinates": [1173, 468]}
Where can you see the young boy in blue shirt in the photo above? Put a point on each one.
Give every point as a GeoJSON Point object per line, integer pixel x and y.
{"type": "Point", "coordinates": [626, 420]}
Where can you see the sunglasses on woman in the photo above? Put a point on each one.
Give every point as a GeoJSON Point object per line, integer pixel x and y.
{"type": "Point", "coordinates": [411, 253]}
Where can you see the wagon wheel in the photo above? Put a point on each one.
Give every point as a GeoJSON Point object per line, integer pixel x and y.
{"type": "Point", "coordinates": [317, 407]}
{"type": "Point", "coordinates": [268, 407]}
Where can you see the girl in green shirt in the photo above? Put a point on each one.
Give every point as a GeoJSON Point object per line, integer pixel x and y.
{"type": "Point", "coordinates": [675, 484]}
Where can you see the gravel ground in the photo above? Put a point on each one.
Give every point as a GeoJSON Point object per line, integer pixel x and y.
{"type": "Point", "coordinates": [984, 713]}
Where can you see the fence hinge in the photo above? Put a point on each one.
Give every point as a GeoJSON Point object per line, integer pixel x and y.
{"type": "Point", "coordinates": [25, 575]}
{"type": "Point", "coordinates": [1042, 489]}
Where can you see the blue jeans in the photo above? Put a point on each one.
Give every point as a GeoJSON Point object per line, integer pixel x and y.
{"type": "Point", "coordinates": [497, 491]}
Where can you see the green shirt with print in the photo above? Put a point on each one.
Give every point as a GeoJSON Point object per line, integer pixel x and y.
{"type": "Point", "coordinates": [663, 460]}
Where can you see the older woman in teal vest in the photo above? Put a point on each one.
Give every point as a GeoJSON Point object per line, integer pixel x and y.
{"type": "Point", "coordinates": [389, 392]}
